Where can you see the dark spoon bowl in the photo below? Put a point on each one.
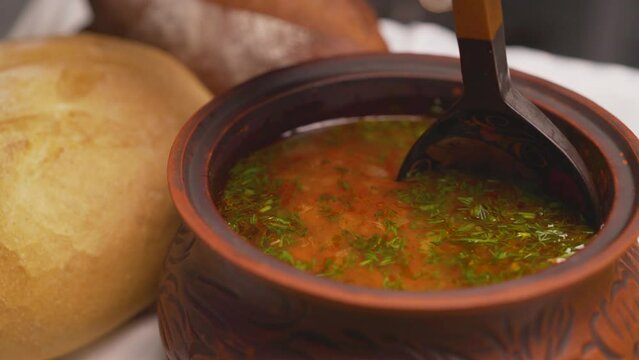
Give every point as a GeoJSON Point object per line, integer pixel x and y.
{"type": "Point", "coordinates": [222, 298]}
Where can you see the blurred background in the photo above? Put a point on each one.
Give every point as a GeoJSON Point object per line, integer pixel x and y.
{"type": "Point", "coordinates": [601, 30]}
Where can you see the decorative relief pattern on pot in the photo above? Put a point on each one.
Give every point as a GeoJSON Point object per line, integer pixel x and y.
{"type": "Point", "coordinates": [203, 317]}
{"type": "Point", "coordinates": [548, 335]}
{"type": "Point", "coordinates": [176, 336]}
{"type": "Point", "coordinates": [200, 329]}
{"type": "Point", "coordinates": [615, 324]}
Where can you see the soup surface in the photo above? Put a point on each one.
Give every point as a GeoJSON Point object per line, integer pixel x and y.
{"type": "Point", "coordinates": [326, 202]}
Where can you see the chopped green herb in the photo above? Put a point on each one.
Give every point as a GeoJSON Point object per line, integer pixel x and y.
{"type": "Point", "coordinates": [345, 185]}
{"type": "Point", "coordinates": [479, 211]}
{"type": "Point", "coordinates": [393, 282]}
{"type": "Point", "coordinates": [323, 196]}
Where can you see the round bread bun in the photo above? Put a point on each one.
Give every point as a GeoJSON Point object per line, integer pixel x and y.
{"type": "Point", "coordinates": [86, 123]}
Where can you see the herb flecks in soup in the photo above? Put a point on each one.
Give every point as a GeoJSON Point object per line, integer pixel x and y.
{"type": "Point", "coordinates": [326, 202]}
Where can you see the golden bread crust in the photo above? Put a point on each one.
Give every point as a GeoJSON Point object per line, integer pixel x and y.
{"type": "Point", "coordinates": [86, 123]}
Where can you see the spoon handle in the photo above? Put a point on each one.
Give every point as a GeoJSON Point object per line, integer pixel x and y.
{"type": "Point", "coordinates": [480, 35]}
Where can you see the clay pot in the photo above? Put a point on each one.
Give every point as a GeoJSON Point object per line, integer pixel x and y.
{"type": "Point", "coordinates": [222, 298]}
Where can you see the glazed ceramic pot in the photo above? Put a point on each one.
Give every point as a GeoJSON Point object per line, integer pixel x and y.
{"type": "Point", "coordinates": [222, 298]}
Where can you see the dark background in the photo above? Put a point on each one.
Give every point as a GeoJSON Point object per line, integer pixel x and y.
{"type": "Point", "coordinates": [602, 30]}
{"type": "Point", "coordinates": [9, 10]}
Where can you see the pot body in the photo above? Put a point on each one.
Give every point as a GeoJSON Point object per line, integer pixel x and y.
{"type": "Point", "coordinates": [221, 298]}
{"type": "Point", "coordinates": [211, 310]}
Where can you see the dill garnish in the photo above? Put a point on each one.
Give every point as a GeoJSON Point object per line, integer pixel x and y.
{"type": "Point", "coordinates": [320, 203]}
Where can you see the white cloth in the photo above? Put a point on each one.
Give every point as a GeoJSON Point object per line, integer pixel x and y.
{"type": "Point", "coordinates": [137, 340]}
{"type": "Point", "coordinates": [51, 17]}
{"type": "Point", "coordinates": [615, 87]}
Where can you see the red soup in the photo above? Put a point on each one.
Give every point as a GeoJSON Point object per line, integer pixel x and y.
{"type": "Point", "coordinates": [326, 202]}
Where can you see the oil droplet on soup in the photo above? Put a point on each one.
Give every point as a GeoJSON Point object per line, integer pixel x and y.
{"type": "Point", "coordinates": [326, 202]}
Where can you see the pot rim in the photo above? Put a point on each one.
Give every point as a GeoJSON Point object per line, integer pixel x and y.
{"type": "Point", "coordinates": [554, 279]}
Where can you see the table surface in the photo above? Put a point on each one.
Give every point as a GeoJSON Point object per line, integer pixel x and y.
{"type": "Point", "coordinates": [614, 87]}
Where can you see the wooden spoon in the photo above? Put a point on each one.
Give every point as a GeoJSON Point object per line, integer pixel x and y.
{"type": "Point", "coordinates": [493, 128]}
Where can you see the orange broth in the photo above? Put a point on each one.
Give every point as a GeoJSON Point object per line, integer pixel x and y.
{"type": "Point", "coordinates": [327, 202]}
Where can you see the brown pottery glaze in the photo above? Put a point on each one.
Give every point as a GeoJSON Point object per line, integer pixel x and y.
{"type": "Point", "coordinates": [222, 298]}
